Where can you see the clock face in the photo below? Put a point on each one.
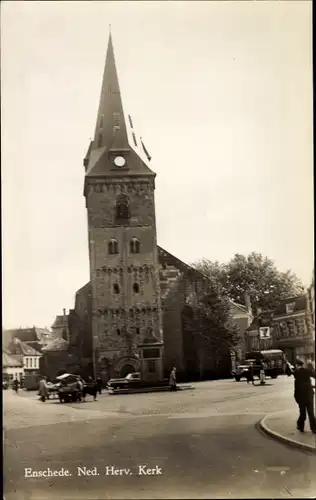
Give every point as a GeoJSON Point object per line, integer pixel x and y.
{"type": "Point", "coordinates": [119, 161]}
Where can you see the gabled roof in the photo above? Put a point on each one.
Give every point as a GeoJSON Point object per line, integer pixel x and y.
{"type": "Point", "coordinates": [56, 345]}
{"type": "Point", "coordinates": [241, 307]}
{"type": "Point", "coordinates": [18, 347]}
{"type": "Point", "coordinates": [9, 361]}
{"type": "Point", "coordinates": [300, 304]}
{"type": "Point", "coordinates": [33, 334]}
{"type": "Point", "coordinates": [60, 321]}
{"type": "Point", "coordinates": [166, 258]}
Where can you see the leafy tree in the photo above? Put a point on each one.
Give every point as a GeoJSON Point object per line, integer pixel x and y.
{"type": "Point", "coordinates": [254, 275]}
{"type": "Point", "coordinates": [214, 332]}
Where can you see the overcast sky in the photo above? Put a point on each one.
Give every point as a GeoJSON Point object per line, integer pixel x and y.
{"type": "Point", "coordinates": [221, 93]}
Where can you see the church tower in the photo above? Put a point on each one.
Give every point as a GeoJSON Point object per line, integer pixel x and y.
{"type": "Point", "coordinates": [119, 191]}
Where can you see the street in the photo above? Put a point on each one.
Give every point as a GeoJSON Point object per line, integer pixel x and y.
{"type": "Point", "coordinates": [200, 443]}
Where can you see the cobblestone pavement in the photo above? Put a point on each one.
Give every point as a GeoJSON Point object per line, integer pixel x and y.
{"type": "Point", "coordinates": [204, 442]}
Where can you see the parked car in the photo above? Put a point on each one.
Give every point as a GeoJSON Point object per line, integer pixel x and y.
{"type": "Point", "coordinates": [131, 380]}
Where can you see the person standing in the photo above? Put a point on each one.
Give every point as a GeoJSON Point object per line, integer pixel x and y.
{"type": "Point", "coordinates": [304, 395]}
{"type": "Point", "coordinates": [173, 379]}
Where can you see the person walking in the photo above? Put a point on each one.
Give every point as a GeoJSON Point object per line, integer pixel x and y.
{"type": "Point", "coordinates": [173, 379]}
{"type": "Point", "coordinates": [99, 384]}
{"type": "Point", "coordinates": [15, 385]}
{"type": "Point", "coordinates": [43, 391]}
{"type": "Point", "coordinates": [250, 377]}
{"type": "Point", "coordinates": [304, 395]}
{"type": "Point", "coordinates": [80, 395]}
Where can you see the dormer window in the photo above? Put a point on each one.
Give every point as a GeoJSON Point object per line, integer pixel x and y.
{"type": "Point", "coordinates": [290, 308]}
{"type": "Point", "coordinates": [113, 247]}
{"type": "Point", "coordinates": [134, 245]}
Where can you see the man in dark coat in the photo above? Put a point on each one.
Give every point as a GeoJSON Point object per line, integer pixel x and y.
{"type": "Point", "coordinates": [304, 395]}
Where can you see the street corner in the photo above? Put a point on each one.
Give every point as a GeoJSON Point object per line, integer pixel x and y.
{"type": "Point", "coordinates": [282, 427]}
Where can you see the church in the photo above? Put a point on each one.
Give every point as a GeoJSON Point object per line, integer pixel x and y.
{"type": "Point", "coordinates": [138, 292]}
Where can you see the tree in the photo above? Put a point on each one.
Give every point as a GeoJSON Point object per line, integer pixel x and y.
{"type": "Point", "coordinates": [255, 275]}
{"type": "Point", "coordinates": [214, 332]}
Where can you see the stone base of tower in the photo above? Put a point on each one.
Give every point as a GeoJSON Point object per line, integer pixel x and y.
{"type": "Point", "coordinates": [151, 362]}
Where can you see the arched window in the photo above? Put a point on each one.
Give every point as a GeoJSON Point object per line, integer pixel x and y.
{"type": "Point", "coordinates": [116, 288]}
{"type": "Point", "coordinates": [122, 208]}
{"type": "Point", "coordinates": [136, 288]}
{"type": "Point", "coordinates": [113, 246]}
{"type": "Point", "coordinates": [134, 245]}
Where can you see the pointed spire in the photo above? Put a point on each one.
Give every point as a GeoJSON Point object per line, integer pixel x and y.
{"type": "Point", "coordinates": [113, 135]}
{"type": "Point", "coordinates": [110, 128]}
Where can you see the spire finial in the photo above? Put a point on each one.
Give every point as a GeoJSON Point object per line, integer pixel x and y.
{"type": "Point", "coordinates": [110, 28]}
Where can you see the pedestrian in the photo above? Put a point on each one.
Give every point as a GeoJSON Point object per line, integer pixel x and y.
{"type": "Point", "coordinates": [250, 374]}
{"type": "Point", "coordinates": [15, 385]}
{"type": "Point", "coordinates": [43, 391]}
{"type": "Point", "coordinates": [304, 395]}
{"type": "Point", "coordinates": [262, 373]}
{"type": "Point", "coordinates": [99, 385]}
{"type": "Point", "coordinates": [80, 391]}
{"type": "Point", "coordinates": [173, 379]}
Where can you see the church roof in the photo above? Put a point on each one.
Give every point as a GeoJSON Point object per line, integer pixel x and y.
{"type": "Point", "coordinates": [114, 135]}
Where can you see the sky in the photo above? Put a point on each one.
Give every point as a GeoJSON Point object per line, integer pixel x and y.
{"type": "Point", "coordinates": [221, 93]}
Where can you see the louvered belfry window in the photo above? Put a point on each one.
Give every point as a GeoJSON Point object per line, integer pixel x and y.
{"type": "Point", "coordinates": [122, 209]}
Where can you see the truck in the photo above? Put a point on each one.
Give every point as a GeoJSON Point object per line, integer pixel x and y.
{"type": "Point", "coordinates": [273, 362]}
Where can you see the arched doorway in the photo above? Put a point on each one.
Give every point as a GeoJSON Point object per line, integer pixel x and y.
{"type": "Point", "coordinates": [126, 369]}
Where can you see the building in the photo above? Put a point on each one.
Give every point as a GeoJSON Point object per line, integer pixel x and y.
{"type": "Point", "coordinates": [54, 359]}
{"type": "Point", "coordinates": [34, 337]}
{"type": "Point", "coordinates": [138, 293]}
{"type": "Point", "coordinates": [311, 303]}
{"type": "Point", "coordinates": [60, 328]}
{"type": "Point", "coordinates": [12, 367]}
{"type": "Point", "coordinates": [291, 330]}
{"type": "Point", "coordinates": [27, 355]}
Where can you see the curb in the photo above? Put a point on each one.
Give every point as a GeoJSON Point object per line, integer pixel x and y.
{"type": "Point", "coordinates": [279, 437]}
{"type": "Point", "coordinates": [146, 390]}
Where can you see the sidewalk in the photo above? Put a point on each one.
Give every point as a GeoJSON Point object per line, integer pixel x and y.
{"type": "Point", "coordinates": [282, 426]}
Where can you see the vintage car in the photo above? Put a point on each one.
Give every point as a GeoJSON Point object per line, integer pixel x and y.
{"type": "Point", "coordinates": [272, 360]}
{"type": "Point", "coordinates": [131, 380]}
